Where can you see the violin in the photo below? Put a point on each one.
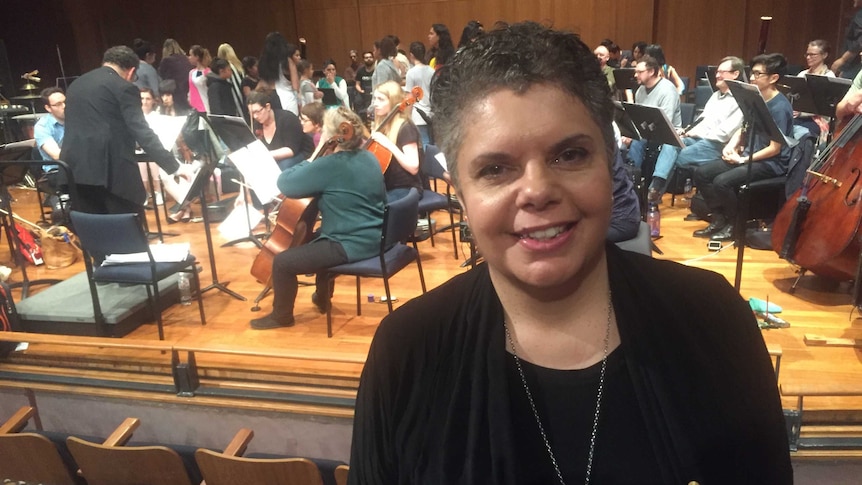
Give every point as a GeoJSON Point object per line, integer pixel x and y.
{"type": "Point", "coordinates": [384, 156]}
{"type": "Point", "coordinates": [296, 217]}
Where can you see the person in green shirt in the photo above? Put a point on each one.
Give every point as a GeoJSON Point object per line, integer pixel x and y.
{"type": "Point", "coordinates": [351, 195]}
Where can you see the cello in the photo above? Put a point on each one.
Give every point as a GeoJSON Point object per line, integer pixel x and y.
{"type": "Point", "coordinates": [294, 222]}
{"type": "Point", "coordinates": [818, 228]}
{"type": "Point", "coordinates": [383, 155]}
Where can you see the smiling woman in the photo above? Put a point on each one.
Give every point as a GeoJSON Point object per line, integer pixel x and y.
{"type": "Point", "coordinates": [561, 359]}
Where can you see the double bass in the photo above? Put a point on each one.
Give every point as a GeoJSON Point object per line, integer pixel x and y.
{"type": "Point", "coordinates": [383, 155]}
{"type": "Point", "coordinates": [294, 223]}
{"type": "Point", "coordinates": [818, 228]}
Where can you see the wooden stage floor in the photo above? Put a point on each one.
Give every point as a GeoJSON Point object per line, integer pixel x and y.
{"type": "Point", "coordinates": [817, 307]}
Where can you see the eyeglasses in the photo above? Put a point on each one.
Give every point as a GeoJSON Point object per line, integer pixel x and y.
{"type": "Point", "coordinates": [724, 72]}
{"type": "Point", "coordinates": [255, 112]}
{"type": "Point", "coordinates": [58, 104]}
{"type": "Point", "coordinates": [757, 74]}
{"type": "Point", "coordinates": [640, 71]}
{"type": "Point", "coordinates": [304, 119]}
{"type": "Point", "coordinates": [813, 54]}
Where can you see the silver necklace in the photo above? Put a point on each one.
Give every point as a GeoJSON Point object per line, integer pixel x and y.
{"type": "Point", "coordinates": [599, 393]}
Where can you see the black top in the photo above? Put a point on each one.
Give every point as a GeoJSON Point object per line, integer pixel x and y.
{"type": "Point", "coordinates": [249, 82]}
{"type": "Point", "coordinates": [288, 133]}
{"type": "Point", "coordinates": [396, 176]}
{"type": "Point", "coordinates": [566, 402]}
{"type": "Point", "coordinates": [104, 121]}
{"type": "Point", "coordinates": [435, 400]}
{"type": "Point", "coordinates": [177, 67]}
{"type": "Point", "coordinates": [220, 96]}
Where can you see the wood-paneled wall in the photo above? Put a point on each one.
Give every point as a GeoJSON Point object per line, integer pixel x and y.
{"type": "Point", "coordinates": [692, 31]}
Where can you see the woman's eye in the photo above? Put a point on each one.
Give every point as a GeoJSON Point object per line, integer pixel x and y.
{"type": "Point", "coordinates": [570, 155]}
{"type": "Point", "coordinates": [491, 171]}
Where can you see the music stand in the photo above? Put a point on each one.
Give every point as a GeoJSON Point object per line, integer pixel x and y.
{"type": "Point", "coordinates": [624, 122]}
{"type": "Point", "coordinates": [798, 92]}
{"type": "Point", "coordinates": [653, 125]}
{"type": "Point", "coordinates": [828, 92]}
{"type": "Point", "coordinates": [197, 189]}
{"type": "Point", "coordinates": [236, 134]}
{"type": "Point", "coordinates": [760, 122]}
{"type": "Point", "coordinates": [14, 164]}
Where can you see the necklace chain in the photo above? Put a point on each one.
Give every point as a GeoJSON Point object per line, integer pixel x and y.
{"type": "Point", "coordinates": [599, 393]}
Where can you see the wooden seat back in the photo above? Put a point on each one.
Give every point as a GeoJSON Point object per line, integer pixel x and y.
{"type": "Point", "coordinates": [32, 458]}
{"type": "Point", "coordinates": [29, 457]}
{"type": "Point", "coordinates": [133, 465]}
{"type": "Point", "coordinates": [220, 469]}
{"type": "Point", "coordinates": [341, 474]}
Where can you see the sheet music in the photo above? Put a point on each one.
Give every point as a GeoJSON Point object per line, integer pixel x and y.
{"type": "Point", "coordinates": [235, 225]}
{"type": "Point", "coordinates": [162, 253]}
{"type": "Point", "coordinates": [259, 170]}
{"type": "Point", "coordinates": [441, 159]}
{"type": "Point", "coordinates": [167, 128]}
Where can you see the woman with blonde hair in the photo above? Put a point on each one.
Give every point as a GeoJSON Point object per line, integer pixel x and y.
{"type": "Point", "coordinates": [349, 189]}
{"type": "Point", "coordinates": [400, 137]}
{"type": "Point", "coordinates": [226, 52]}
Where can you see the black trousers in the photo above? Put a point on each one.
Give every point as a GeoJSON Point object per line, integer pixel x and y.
{"type": "Point", "coordinates": [314, 257]}
{"type": "Point", "coordinates": [718, 181]}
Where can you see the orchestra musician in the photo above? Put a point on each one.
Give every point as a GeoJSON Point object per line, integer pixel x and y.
{"type": "Point", "coordinates": [279, 130]}
{"type": "Point", "coordinates": [400, 137]}
{"type": "Point", "coordinates": [350, 193]}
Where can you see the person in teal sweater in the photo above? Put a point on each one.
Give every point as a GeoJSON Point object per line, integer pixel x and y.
{"type": "Point", "coordinates": [351, 195]}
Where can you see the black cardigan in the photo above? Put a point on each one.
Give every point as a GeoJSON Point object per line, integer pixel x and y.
{"type": "Point", "coordinates": [432, 405]}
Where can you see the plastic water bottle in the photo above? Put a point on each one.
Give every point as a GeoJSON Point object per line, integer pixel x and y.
{"type": "Point", "coordinates": [185, 287]}
{"type": "Point", "coordinates": [654, 220]}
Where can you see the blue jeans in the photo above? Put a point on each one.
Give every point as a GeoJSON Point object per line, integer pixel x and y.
{"type": "Point", "coordinates": [697, 151]}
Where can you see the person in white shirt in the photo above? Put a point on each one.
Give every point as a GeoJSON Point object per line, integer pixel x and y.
{"type": "Point", "coordinates": [707, 136]}
{"type": "Point", "coordinates": [420, 74]}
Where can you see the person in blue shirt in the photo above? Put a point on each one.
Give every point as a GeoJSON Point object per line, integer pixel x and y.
{"type": "Point", "coordinates": [719, 180]}
{"type": "Point", "coordinates": [49, 131]}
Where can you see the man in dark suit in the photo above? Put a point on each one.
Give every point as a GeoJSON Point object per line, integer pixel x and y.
{"type": "Point", "coordinates": [103, 122]}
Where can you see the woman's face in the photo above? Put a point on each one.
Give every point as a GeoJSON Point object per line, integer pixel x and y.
{"type": "Point", "coordinates": [382, 105]}
{"type": "Point", "coordinates": [636, 53]}
{"type": "Point", "coordinates": [167, 100]}
{"type": "Point", "coordinates": [194, 60]}
{"type": "Point", "coordinates": [308, 126]}
{"type": "Point", "coordinates": [433, 38]}
{"type": "Point", "coordinates": [147, 102]}
{"type": "Point", "coordinates": [537, 195]}
{"type": "Point", "coordinates": [259, 113]}
{"type": "Point", "coordinates": [814, 56]}
{"type": "Point", "coordinates": [253, 70]}
{"type": "Point", "coordinates": [297, 56]}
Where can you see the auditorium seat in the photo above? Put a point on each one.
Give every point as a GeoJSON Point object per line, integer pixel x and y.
{"type": "Point", "coordinates": [31, 457]}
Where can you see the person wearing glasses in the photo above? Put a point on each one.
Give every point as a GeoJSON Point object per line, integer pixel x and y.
{"type": "Point", "coordinates": [815, 57]}
{"type": "Point", "coordinates": [719, 179]}
{"type": "Point", "coordinates": [707, 135]}
{"type": "Point", "coordinates": [331, 80]}
{"type": "Point", "coordinates": [279, 130]}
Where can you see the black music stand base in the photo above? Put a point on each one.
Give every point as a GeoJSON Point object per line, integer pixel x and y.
{"type": "Point", "coordinates": [216, 284]}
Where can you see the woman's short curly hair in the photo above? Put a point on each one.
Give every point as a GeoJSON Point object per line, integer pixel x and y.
{"type": "Point", "coordinates": [516, 58]}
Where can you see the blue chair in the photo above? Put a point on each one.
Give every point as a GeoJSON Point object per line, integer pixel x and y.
{"type": "Point", "coordinates": [399, 223]}
{"type": "Point", "coordinates": [431, 200]}
{"type": "Point", "coordinates": [104, 234]}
